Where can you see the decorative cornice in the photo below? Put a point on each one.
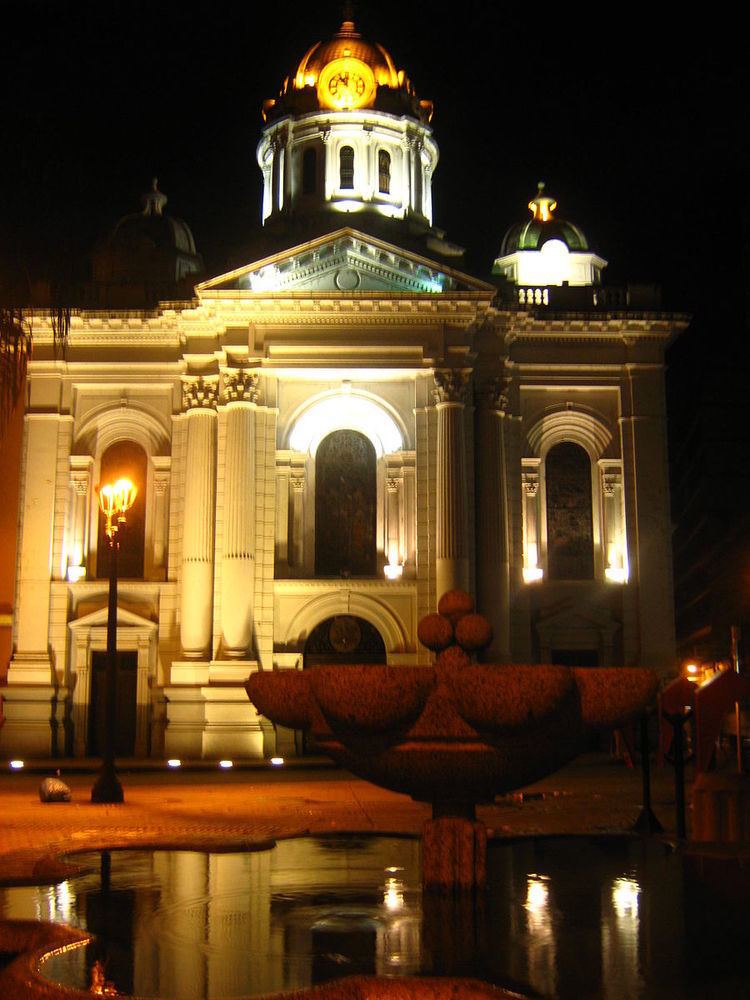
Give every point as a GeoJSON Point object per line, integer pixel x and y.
{"type": "Point", "coordinates": [200, 392]}
{"type": "Point", "coordinates": [239, 385]}
{"type": "Point", "coordinates": [451, 385]}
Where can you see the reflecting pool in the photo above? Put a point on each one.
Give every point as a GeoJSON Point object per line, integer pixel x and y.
{"type": "Point", "coordinates": [567, 918]}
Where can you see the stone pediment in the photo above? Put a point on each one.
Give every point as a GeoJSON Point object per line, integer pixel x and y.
{"type": "Point", "coordinates": [98, 618]}
{"type": "Point", "coordinates": [345, 261]}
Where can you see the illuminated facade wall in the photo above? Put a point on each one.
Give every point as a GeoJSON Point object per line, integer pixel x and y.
{"type": "Point", "coordinates": [229, 400]}
{"type": "Point", "coordinates": [462, 394]}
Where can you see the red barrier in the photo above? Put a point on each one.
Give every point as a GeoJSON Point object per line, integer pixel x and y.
{"type": "Point", "coordinates": [712, 702]}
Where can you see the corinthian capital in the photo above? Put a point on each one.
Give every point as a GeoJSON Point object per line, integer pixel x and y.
{"type": "Point", "coordinates": [239, 385]}
{"type": "Point", "coordinates": [451, 385]}
{"type": "Point", "coordinates": [200, 392]}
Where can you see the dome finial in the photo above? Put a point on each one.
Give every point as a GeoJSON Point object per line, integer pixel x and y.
{"type": "Point", "coordinates": [347, 29]}
{"type": "Point", "coordinates": [154, 200]}
{"type": "Point", "coordinates": [542, 206]}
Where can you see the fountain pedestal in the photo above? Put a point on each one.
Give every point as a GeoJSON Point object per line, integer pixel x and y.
{"type": "Point", "coordinates": [454, 854]}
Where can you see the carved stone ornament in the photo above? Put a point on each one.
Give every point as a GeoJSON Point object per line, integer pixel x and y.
{"type": "Point", "coordinates": [530, 483]}
{"type": "Point", "coordinates": [610, 482]}
{"type": "Point", "coordinates": [239, 385]}
{"type": "Point", "coordinates": [451, 385]}
{"type": "Point", "coordinates": [200, 392]}
{"type": "Point", "coordinates": [494, 393]}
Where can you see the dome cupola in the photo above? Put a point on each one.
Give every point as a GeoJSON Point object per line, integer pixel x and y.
{"type": "Point", "coordinates": [148, 255]}
{"type": "Point", "coordinates": [546, 250]}
{"type": "Point", "coordinates": [344, 74]}
{"type": "Point", "coordinates": [347, 134]}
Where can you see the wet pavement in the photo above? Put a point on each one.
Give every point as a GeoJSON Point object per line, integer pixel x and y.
{"type": "Point", "coordinates": [204, 806]}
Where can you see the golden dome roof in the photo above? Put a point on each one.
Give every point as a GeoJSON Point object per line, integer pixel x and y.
{"type": "Point", "coordinates": [347, 73]}
{"type": "Point", "coordinates": [347, 43]}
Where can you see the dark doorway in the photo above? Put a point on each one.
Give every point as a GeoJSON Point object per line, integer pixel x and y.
{"type": "Point", "coordinates": [344, 639]}
{"type": "Point", "coordinates": [345, 505]}
{"type": "Point", "coordinates": [126, 684]}
{"type": "Point", "coordinates": [575, 657]}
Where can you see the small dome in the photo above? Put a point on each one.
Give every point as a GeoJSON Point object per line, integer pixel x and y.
{"type": "Point", "coordinates": [344, 74]}
{"type": "Point", "coordinates": [148, 255]}
{"type": "Point", "coordinates": [152, 227]}
{"type": "Point", "coordinates": [542, 227]}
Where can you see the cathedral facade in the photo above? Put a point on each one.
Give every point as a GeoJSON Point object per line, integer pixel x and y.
{"type": "Point", "coordinates": [327, 438]}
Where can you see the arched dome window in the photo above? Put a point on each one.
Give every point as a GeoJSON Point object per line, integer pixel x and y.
{"type": "Point", "coordinates": [345, 505]}
{"type": "Point", "coordinates": [384, 172]}
{"type": "Point", "coordinates": [346, 167]}
{"type": "Point", "coordinates": [125, 459]}
{"type": "Point", "coordinates": [309, 171]}
{"type": "Point", "coordinates": [570, 541]}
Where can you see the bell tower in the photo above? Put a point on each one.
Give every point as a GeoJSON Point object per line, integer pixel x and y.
{"type": "Point", "coordinates": [347, 134]}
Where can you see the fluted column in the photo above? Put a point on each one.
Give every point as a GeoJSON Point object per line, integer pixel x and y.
{"type": "Point", "coordinates": [240, 392]}
{"type": "Point", "coordinates": [196, 598]}
{"type": "Point", "coordinates": [451, 543]}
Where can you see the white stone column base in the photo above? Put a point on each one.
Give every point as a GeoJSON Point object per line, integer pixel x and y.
{"type": "Point", "coordinates": [33, 725]}
{"type": "Point", "coordinates": [211, 721]}
{"type": "Point", "coordinates": [30, 668]}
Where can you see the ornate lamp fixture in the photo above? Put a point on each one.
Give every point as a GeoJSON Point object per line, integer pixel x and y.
{"type": "Point", "coordinates": [115, 500]}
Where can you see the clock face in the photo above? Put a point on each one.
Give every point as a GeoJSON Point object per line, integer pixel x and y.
{"type": "Point", "coordinates": [345, 84]}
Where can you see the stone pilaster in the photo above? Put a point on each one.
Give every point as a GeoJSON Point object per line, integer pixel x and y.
{"type": "Point", "coordinates": [199, 399]}
{"type": "Point", "coordinates": [77, 536]}
{"type": "Point", "coordinates": [451, 549]}
{"type": "Point", "coordinates": [297, 520]}
{"type": "Point", "coordinates": [493, 548]}
{"type": "Point", "coordinates": [240, 393]}
{"type": "Point", "coordinates": [160, 537]}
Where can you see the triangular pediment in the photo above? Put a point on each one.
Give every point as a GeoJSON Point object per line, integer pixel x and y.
{"type": "Point", "coordinates": [125, 619]}
{"type": "Point", "coordinates": [346, 261]}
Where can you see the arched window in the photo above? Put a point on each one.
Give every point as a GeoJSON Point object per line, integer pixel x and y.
{"type": "Point", "coordinates": [309, 171]}
{"type": "Point", "coordinates": [345, 505]}
{"type": "Point", "coordinates": [384, 172]}
{"type": "Point", "coordinates": [346, 167]}
{"type": "Point", "coordinates": [125, 459]}
{"type": "Point", "coordinates": [570, 541]}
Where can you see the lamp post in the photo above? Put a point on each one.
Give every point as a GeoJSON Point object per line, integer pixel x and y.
{"type": "Point", "coordinates": [114, 502]}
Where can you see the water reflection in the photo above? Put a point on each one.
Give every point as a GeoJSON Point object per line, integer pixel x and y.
{"type": "Point", "coordinates": [614, 919]}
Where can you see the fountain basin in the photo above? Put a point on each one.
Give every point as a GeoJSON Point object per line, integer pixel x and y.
{"type": "Point", "coordinates": [451, 736]}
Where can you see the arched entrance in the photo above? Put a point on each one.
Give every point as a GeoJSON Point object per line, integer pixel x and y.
{"type": "Point", "coordinates": [344, 639]}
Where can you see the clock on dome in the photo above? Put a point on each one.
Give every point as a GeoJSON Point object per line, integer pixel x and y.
{"type": "Point", "coordinates": [345, 84]}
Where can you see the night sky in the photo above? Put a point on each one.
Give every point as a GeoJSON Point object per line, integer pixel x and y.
{"type": "Point", "coordinates": [635, 119]}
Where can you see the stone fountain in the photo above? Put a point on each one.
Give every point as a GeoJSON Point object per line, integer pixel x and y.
{"type": "Point", "coordinates": [454, 735]}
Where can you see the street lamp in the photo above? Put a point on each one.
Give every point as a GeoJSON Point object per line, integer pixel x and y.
{"type": "Point", "coordinates": [114, 502]}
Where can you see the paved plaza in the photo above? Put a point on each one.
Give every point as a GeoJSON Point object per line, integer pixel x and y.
{"type": "Point", "coordinates": [195, 807]}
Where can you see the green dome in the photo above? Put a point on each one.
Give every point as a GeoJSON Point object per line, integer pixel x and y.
{"type": "Point", "coordinates": [532, 235]}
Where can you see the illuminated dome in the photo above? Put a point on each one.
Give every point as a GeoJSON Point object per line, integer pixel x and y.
{"type": "Point", "coordinates": [347, 135]}
{"type": "Point", "coordinates": [344, 74]}
{"type": "Point", "coordinates": [541, 227]}
{"type": "Point", "coordinates": [546, 250]}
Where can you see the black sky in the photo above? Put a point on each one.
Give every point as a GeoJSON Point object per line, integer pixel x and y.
{"type": "Point", "coordinates": [634, 117]}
